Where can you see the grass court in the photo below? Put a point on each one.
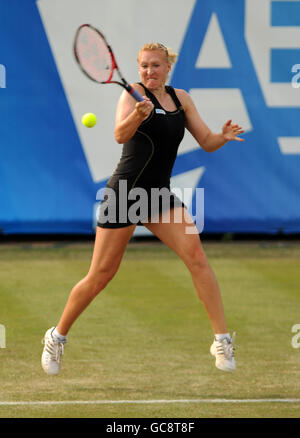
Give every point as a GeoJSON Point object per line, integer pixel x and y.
{"type": "Point", "coordinates": [146, 337]}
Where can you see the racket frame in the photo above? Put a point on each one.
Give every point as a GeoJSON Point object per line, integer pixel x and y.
{"type": "Point", "coordinates": [135, 94]}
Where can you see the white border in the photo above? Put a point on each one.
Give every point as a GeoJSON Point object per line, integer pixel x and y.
{"type": "Point", "coordinates": [111, 402]}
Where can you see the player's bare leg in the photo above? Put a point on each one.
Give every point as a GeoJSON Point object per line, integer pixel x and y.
{"type": "Point", "coordinates": [183, 238]}
{"type": "Point", "coordinates": [189, 249]}
{"type": "Point", "coordinates": [109, 248]}
{"type": "Point", "coordinates": [110, 245]}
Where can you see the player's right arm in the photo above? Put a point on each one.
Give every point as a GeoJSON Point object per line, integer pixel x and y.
{"type": "Point", "coordinates": [130, 114]}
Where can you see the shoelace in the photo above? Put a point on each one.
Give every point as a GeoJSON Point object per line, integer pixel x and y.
{"type": "Point", "coordinates": [226, 348]}
{"type": "Point", "coordinates": [54, 348]}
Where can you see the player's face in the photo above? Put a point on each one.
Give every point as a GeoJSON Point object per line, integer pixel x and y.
{"type": "Point", "coordinates": [153, 68]}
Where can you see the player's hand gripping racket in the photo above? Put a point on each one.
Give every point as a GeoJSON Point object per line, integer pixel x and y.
{"type": "Point", "coordinates": [96, 59]}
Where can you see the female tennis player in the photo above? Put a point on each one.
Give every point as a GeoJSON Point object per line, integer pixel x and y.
{"type": "Point", "coordinates": [150, 132]}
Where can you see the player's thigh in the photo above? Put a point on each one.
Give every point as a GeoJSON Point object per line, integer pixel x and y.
{"type": "Point", "coordinates": [180, 234]}
{"type": "Point", "coordinates": [110, 244]}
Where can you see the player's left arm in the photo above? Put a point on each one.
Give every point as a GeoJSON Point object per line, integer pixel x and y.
{"type": "Point", "coordinates": [207, 139]}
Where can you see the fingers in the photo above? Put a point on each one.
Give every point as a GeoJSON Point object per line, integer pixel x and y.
{"type": "Point", "coordinates": [233, 130]}
{"type": "Point", "coordinates": [233, 126]}
{"type": "Point", "coordinates": [237, 128]}
{"type": "Point", "coordinates": [145, 107]}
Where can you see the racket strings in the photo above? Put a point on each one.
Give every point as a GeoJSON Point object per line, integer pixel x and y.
{"type": "Point", "coordinates": [93, 54]}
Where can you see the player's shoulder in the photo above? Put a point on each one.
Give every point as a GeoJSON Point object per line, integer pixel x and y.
{"type": "Point", "coordinates": [126, 98]}
{"type": "Point", "coordinates": [182, 93]}
{"type": "Point", "coordinates": [138, 87]}
{"type": "Point", "coordinates": [184, 97]}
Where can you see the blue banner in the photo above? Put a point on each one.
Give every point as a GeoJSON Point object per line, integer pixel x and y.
{"type": "Point", "coordinates": [234, 64]}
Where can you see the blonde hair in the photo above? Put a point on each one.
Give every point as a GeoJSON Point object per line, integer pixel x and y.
{"type": "Point", "coordinates": [170, 55]}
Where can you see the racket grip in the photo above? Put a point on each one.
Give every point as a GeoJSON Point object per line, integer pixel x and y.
{"type": "Point", "coordinates": [136, 95]}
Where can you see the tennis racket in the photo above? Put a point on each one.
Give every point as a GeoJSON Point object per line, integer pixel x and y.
{"type": "Point", "coordinates": [96, 58]}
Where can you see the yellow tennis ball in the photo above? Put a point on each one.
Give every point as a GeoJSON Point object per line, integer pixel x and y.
{"type": "Point", "coordinates": [89, 120]}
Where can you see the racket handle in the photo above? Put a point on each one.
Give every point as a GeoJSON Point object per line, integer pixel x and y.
{"type": "Point", "coordinates": [136, 95]}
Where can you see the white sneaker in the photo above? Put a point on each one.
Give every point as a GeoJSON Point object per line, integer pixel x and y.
{"type": "Point", "coordinates": [53, 350]}
{"type": "Point", "coordinates": [224, 354]}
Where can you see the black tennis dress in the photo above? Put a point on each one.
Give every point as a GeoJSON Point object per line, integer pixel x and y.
{"type": "Point", "coordinates": [139, 189]}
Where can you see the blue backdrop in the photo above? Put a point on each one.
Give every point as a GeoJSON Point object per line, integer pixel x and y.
{"type": "Point", "coordinates": [45, 181]}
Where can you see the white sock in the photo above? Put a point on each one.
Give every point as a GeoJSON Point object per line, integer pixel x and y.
{"type": "Point", "coordinates": [221, 336]}
{"type": "Point", "coordinates": [60, 338]}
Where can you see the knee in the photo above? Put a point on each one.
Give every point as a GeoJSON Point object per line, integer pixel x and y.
{"type": "Point", "coordinates": [195, 258]}
{"type": "Point", "coordinates": [99, 280]}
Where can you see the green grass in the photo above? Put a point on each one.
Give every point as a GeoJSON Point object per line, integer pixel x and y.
{"type": "Point", "coordinates": [147, 336]}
